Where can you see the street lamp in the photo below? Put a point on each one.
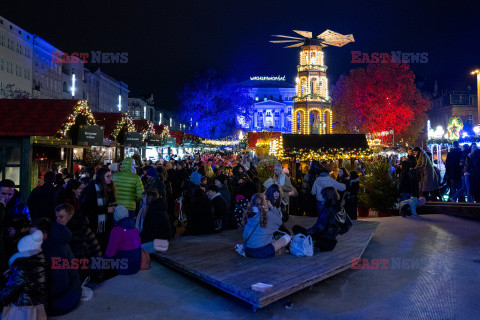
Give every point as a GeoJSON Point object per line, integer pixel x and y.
{"type": "Point", "coordinates": [477, 72]}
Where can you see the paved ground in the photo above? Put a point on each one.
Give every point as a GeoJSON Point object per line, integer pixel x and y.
{"type": "Point", "coordinates": [445, 283]}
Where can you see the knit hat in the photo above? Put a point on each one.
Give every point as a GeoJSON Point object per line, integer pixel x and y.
{"type": "Point", "coordinates": [195, 178]}
{"type": "Point", "coordinates": [120, 213]}
{"type": "Point", "coordinates": [31, 242]}
{"type": "Point", "coordinates": [152, 172]}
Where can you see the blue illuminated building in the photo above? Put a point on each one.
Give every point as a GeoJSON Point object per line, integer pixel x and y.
{"type": "Point", "coordinates": [272, 104]}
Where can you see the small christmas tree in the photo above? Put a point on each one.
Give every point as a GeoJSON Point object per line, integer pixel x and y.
{"type": "Point", "coordinates": [378, 189]}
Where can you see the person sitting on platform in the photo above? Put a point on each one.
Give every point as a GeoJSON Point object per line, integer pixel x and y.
{"type": "Point", "coordinates": [125, 243]}
{"type": "Point", "coordinates": [325, 230]}
{"type": "Point", "coordinates": [262, 220]}
{"type": "Point", "coordinates": [155, 223]}
{"type": "Point", "coordinates": [220, 208]}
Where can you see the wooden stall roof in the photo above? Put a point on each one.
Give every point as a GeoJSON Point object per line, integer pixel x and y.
{"type": "Point", "coordinates": [159, 128]}
{"type": "Point", "coordinates": [34, 117]}
{"type": "Point", "coordinates": [141, 125]}
{"type": "Point", "coordinates": [108, 120]}
{"type": "Point", "coordinates": [178, 135]}
{"type": "Point", "coordinates": [324, 141]}
{"type": "Point", "coordinates": [254, 136]}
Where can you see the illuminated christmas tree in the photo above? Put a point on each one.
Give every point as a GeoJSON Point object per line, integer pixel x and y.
{"type": "Point", "coordinates": [312, 105]}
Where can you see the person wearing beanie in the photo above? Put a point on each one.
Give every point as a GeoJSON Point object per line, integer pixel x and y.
{"type": "Point", "coordinates": [41, 201]}
{"type": "Point", "coordinates": [195, 178]}
{"type": "Point", "coordinates": [27, 276]}
{"type": "Point", "coordinates": [129, 187]}
{"type": "Point", "coordinates": [124, 243]}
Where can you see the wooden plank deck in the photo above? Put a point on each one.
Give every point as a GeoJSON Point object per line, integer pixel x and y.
{"type": "Point", "coordinates": [212, 259]}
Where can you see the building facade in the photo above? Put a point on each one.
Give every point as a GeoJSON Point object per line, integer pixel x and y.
{"type": "Point", "coordinates": [272, 104]}
{"type": "Point", "coordinates": [106, 94]}
{"type": "Point", "coordinates": [142, 108]}
{"type": "Point", "coordinates": [29, 68]}
{"type": "Point", "coordinates": [15, 60]}
{"type": "Point", "coordinates": [461, 104]}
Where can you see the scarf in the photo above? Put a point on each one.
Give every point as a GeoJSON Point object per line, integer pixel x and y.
{"type": "Point", "coordinates": [101, 202]}
{"type": "Point", "coordinates": [141, 217]}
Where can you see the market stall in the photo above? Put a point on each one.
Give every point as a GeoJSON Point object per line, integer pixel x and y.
{"type": "Point", "coordinates": [37, 134]}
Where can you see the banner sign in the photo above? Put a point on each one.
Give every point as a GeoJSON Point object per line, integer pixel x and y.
{"type": "Point", "coordinates": [89, 136]}
{"type": "Point", "coordinates": [189, 144]}
{"type": "Point", "coordinates": [133, 139]}
{"type": "Point", "coordinates": [155, 140]}
{"type": "Point", "coordinates": [171, 142]}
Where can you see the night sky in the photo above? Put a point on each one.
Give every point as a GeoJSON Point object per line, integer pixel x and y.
{"type": "Point", "coordinates": [169, 41]}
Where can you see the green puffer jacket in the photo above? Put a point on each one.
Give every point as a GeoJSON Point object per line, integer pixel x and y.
{"type": "Point", "coordinates": [128, 185]}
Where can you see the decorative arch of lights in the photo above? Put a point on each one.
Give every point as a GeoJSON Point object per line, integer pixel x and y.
{"type": "Point", "coordinates": [312, 111]}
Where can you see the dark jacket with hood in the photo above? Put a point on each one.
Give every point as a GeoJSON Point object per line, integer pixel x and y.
{"type": "Point", "coordinates": [452, 166]}
{"type": "Point", "coordinates": [41, 201]}
{"type": "Point", "coordinates": [156, 224]}
{"type": "Point", "coordinates": [65, 287]}
{"type": "Point", "coordinates": [326, 225]}
{"type": "Point", "coordinates": [223, 190]}
{"type": "Point", "coordinates": [27, 281]}
{"type": "Point", "coordinates": [200, 217]}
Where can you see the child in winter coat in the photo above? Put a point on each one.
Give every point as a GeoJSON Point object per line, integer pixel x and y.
{"type": "Point", "coordinates": [27, 276]}
{"type": "Point", "coordinates": [125, 243]}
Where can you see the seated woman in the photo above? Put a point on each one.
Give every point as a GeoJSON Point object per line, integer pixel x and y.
{"type": "Point", "coordinates": [263, 219]}
{"type": "Point", "coordinates": [27, 276]}
{"type": "Point", "coordinates": [124, 243]}
{"type": "Point", "coordinates": [325, 230]}
{"type": "Point", "coordinates": [84, 243]}
{"type": "Point", "coordinates": [155, 224]}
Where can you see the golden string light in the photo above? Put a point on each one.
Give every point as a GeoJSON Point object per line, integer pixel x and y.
{"type": "Point", "coordinates": [81, 109]}
{"type": "Point", "coordinates": [125, 120]}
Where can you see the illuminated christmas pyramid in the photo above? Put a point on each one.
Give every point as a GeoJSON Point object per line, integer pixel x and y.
{"type": "Point", "coordinates": [312, 106]}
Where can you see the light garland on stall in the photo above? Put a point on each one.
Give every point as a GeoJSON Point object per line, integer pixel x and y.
{"type": "Point", "coordinates": [221, 142]}
{"type": "Point", "coordinates": [125, 120]}
{"type": "Point", "coordinates": [277, 150]}
{"type": "Point", "coordinates": [81, 109]}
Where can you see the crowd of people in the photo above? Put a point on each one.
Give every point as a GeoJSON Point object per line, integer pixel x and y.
{"type": "Point", "coordinates": [105, 214]}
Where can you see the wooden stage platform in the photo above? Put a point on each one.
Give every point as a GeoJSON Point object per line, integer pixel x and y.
{"type": "Point", "coordinates": [212, 259]}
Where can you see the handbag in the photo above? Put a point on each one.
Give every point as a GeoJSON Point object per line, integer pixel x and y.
{"type": "Point", "coordinates": [301, 245]}
{"type": "Point", "coordinates": [145, 264]}
{"type": "Point", "coordinates": [13, 312]}
{"type": "Point", "coordinates": [87, 293]}
{"type": "Point", "coordinates": [160, 245]}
